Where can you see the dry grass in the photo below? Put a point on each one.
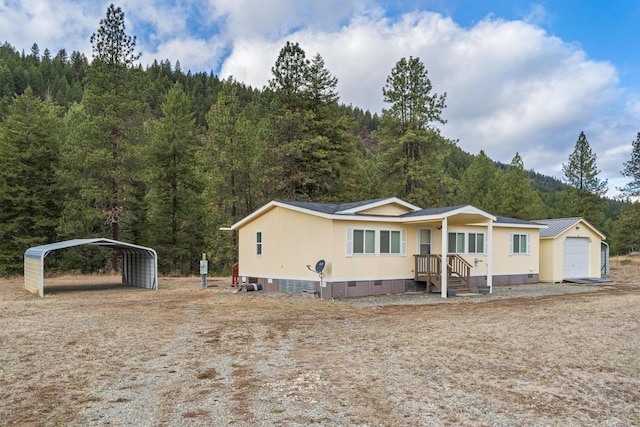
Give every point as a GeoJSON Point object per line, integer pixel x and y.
{"type": "Point", "coordinates": [95, 354]}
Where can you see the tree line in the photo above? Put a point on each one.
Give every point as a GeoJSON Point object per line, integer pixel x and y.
{"type": "Point", "coordinates": [164, 158]}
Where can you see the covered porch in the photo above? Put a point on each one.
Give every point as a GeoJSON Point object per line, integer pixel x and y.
{"type": "Point", "coordinates": [452, 246]}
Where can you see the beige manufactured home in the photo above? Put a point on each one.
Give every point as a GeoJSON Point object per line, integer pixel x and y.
{"type": "Point", "coordinates": [384, 246]}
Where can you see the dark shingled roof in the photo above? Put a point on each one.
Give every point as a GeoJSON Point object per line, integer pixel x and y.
{"type": "Point", "coordinates": [434, 211]}
{"type": "Point", "coordinates": [515, 221]}
{"type": "Point", "coordinates": [328, 208]}
{"type": "Point", "coordinates": [333, 208]}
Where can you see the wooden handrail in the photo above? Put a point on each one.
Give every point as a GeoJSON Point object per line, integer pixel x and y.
{"type": "Point", "coordinates": [460, 266]}
{"type": "Point", "coordinates": [428, 267]}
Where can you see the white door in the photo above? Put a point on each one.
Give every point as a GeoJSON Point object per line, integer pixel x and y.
{"type": "Point", "coordinates": [424, 241]}
{"type": "Point", "coordinates": [576, 257]}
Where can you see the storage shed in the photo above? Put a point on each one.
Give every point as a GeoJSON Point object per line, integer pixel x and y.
{"type": "Point", "coordinates": [139, 263]}
{"type": "Point", "coordinates": [570, 248]}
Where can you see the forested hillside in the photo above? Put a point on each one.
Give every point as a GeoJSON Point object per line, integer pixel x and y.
{"type": "Point", "coordinates": [103, 147]}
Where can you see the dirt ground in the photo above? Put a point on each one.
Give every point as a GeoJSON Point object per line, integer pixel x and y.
{"type": "Point", "coordinates": [91, 353]}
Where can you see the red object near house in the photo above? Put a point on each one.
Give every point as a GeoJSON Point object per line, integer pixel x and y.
{"type": "Point", "coordinates": [234, 274]}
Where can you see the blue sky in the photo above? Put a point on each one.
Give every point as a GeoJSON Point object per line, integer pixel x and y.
{"type": "Point", "coordinates": [520, 76]}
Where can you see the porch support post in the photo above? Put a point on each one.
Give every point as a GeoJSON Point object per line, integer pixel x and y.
{"type": "Point", "coordinates": [444, 274]}
{"type": "Point", "coordinates": [490, 256]}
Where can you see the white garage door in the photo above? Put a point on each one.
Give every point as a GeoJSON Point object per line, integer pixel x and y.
{"type": "Point", "coordinates": [576, 257]}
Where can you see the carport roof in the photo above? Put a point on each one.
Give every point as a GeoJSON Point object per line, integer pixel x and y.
{"type": "Point", "coordinates": [42, 251]}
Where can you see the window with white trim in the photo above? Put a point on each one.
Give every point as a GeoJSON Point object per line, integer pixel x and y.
{"type": "Point", "coordinates": [390, 241]}
{"type": "Point", "coordinates": [475, 243]}
{"type": "Point", "coordinates": [375, 242]}
{"type": "Point", "coordinates": [519, 243]}
{"type": "Point", "coordinates": [364, 241]}
{"type": "Point", "coordinates": [259, 243]}
{"type": "Point", "coordinates": [456, 243]}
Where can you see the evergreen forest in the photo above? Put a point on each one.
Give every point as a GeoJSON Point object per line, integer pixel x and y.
{"type": "Point", "coordinates": [104, 147]}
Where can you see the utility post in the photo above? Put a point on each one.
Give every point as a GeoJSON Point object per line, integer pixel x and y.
{"type": "Point", "coordinates": [204, 268]}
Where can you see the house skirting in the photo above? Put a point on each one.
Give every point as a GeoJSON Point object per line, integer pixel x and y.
{"type": "Point", "coordinates": [363, 288]}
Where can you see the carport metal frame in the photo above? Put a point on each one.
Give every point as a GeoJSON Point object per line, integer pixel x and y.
{"type": "Point", "coordinates": [139, 263]}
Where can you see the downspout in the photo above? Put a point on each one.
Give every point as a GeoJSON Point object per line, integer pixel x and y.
{"type": "Point", "coordinates": [489, 256]}
{"type": "Point", "coordinates": [445, 262]}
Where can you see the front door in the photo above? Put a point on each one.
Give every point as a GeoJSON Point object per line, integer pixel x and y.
{"type": "Point", "coordinates": [424, 241]}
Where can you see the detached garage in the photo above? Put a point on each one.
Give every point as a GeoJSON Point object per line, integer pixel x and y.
{"type": "Point", "coordinates": [570, 248]}
{"type": "Point", "coordinates": [139, 264]}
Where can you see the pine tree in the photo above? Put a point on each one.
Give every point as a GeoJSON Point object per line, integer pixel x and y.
{"type": "Point", "coordinates": [581, 171]}
{"type": "Point", "coordinates": [478, 184]}
{"type": "Point", "coordinates": [632, 169]}
{"type": "Point", "coordinates": [411, 150]}
{"type": "Point", "coordinates": [233, 171]}
{"type": "Point", "coordinates": [29, 192]}
{"type": "Point", "coordinates": [518, 198]}
{"type": "Point", "coordinates": [321, 85]}
{"type": "Point", "coordinates": [175, 208]}
{"type": "Point", "coordinates": [583, 193]}
{"type": "Point", "coordinates": [102, 155]}
{"type": "Point", "coordinates": [408, 91]}
{"type": "Point", "coordinates": [626, 232]}
{"type": "Point", "coordinates": [291, 77]}
{"type": "Point", "coordinates": [313, 155]}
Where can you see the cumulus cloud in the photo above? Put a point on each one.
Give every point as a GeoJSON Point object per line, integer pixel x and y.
{"type": "Point", "coordinates": [510, 86]}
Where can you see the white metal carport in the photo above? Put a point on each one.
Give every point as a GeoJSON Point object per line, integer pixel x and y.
{"type": "Point", "coordinates": [139, 263]}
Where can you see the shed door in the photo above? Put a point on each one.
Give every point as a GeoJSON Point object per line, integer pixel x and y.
{"type": "Point", "coordinates": [576, 257]}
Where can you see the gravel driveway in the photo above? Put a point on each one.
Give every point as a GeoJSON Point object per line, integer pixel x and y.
{"type": "Point", "coordinates": [182, 356]}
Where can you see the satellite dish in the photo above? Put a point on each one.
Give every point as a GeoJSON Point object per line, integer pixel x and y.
{"type": "Point", "coordinates": [320, 266]}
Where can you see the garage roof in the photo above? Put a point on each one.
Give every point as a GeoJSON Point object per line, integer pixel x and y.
{"type": "Point", "coordinates": [557, 226]}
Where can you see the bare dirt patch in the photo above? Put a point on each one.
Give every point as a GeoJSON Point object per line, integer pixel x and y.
{"type": "Point", "coordinates": [93, 352]}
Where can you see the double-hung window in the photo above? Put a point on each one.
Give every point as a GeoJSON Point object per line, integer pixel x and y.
{"type": "Point", "coordinates": [476, 243]}
{"type": "Point", "coordinates": [364, 241]}
{"type": "Point", "coordinates": [259, 243]}
{"type": "Point", "coordinates": [519, 243]}
{"type": "Point", "coordinates": [456, 243]}
{"type": "Point", "coordinates": [389, 241]}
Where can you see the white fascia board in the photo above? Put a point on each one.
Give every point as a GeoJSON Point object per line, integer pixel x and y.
{"type": "Point", "coordinates": [461, 210]}
{"type": "Point", "coordinates": [513, 225]}
{"type": "Point", "coordinates": [271, 205]}
{"type": "Point", "coordinates": [379, 203]}
{"type": "Point", "coordinates": [253, 215]}
{"type": "Point", "coordinates": [469, 210]}
{"type": "Point", "coordinates": [595, 230]}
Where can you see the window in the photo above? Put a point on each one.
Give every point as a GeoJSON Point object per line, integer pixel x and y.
{"type": "Point", "coordinates": [519, 243]}
{"type": "Point", "coordinates": [375, 242]}
{"type": "Point", "coordinates": [425, 241]}
{"type": "Point", "coordinates": [259, 243]}
{"type": "Point", "coordinates": [456, 243]}
{"type": "Point", "coordinates": [476, 243]}
{"type": "Point", "coordinates": [364, 241]}
{"type": "Point", "coordinates": [389, 241]}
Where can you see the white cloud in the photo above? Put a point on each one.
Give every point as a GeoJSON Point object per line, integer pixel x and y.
{"type": "Point", "coordinates": [511, 87]}
{"type": "Point", "coordinates": [62, 24]}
